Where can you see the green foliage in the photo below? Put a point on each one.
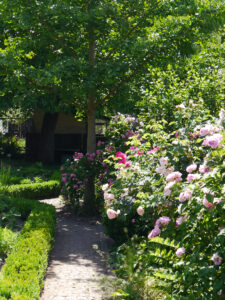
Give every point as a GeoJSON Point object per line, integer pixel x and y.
{"type": "Point", "coordinates": [33, 190]}
{"type": "Point", "coordinates": [5, 174]}
{"type": "Point", "coordinates": [24, 269]}
{"type": "Point", "coordinates": [8, 214]}
{"type": "Point", "coordinates": [10, 147]}
{"type": "Point", "coordinates": [7, 241]}
{"type": "Point", "coordinates": [128, 38]}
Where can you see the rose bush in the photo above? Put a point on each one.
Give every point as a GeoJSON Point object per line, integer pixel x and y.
{"type": "Point", "coordinates": [178, 185]}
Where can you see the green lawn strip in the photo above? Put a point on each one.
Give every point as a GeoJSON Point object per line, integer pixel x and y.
{"type": "Point", "coordinates": [42, 190]}
{"type": "Point", "coordinates": [22, 275]}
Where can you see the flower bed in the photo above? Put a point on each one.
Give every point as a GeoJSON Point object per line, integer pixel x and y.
{"type": "Point", "coordinates": [22, 275]}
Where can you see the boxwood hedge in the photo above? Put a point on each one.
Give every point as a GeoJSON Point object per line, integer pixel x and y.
{"type": "Point", "coordinates": [41, 190]}
{"type": "Point", "coordinates": [22, 275]}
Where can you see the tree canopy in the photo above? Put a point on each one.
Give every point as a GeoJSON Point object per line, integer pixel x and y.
{"type": "Point", "coordinates": [82, 56]}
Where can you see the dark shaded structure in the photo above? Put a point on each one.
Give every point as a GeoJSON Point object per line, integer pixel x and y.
{"type": "Point", "coordinates": [70, 136]}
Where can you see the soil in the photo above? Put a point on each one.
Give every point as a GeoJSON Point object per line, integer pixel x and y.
{"type": "Point", "coordinates": [76, 268]}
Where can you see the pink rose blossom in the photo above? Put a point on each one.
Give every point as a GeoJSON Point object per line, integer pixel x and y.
{"type": "Point", "coordinates": [155, 232]}
{"type": "Point", "coordinates": [174, 176]}
{"type": "Point", "coordinates": [122, 157]}
{"type": "Point", "coordinates": [133, 221]}
{"type": "Point", "coordinates": [64, 179]}
{"type": "Point", "coordinates": [191, 168]}
{"type": "Point", "coordinates": [205, 130]}
{"type": "Point", "coordinates": [163, 161]}
{"type": "Point", "coordinates": [213, 141]}
{"type": "Point", "coordinates": [140, 211]}
{"type": "Point", "coordinates": [180, 220]}
{"type": "Point", "coordinates": [203, 169]}
{"type": "Point", "coordinates": [206, 203]}
{"type": "Point", "coordinates": [191, 177]}
{"type": "Point", "coordinates": [98, 152]}
{"type": "Point", "coordinates": [162, 221]}
{"type": "Point", "coordinates": [216, 259]}
{"type": "Point", "coordinates": [108, 196]}
{"type": "Point", "coordinates": [127, 164]}
{"type": "Point", "coordinates": [153, 150]}
{"type": "Point", "coordinates": [111, 213]}
{"type": "Point", "coordinates": [186, 195]}
{"type": "Point", "coordinates": [180, 252]}
{"type": "Point", "coordinates": [167, 192]}
{"type": "Point", "coordinates": [75, 186]}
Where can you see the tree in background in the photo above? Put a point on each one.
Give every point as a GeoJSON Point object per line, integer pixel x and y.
{"type": "Point", "coordinates": [85, 56]}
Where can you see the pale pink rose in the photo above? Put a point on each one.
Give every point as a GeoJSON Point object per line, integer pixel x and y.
{"type": "Point", "coordinates": [162, 221]}
{"type": "Point", "coordinates": [191, 177]}
{"type": "Point", "coordinates": [105, 187]}
{"type": "Point", "coordinates": [216, 259]}
{"type": "Point", "coordinates": [111, 213]}
{"type": "Point", "coordinates": [167, 192]}
{"type": "Point", "coordinates": [155, 232]}
{"type": "Point", "coordinates": [186, 195]}
{"type": "Point", "coordinates": [180, 252]}
{"type": "Point", "coordinates": [206, 203]}
{"type": "Point", "coordinates": [170, 184]}
{"type": "Point", "coordinates": [108, 196]}
{"type": "Point", "coordinates": [140, 211]}
{"type": "Point", "coordinates": [161, 169]}
{"type": "Point", "coordinates": [204, 169]}
{"type": "Point", "coordinates": [174, 176]}
{"type": "Point", "coordinates": [181, 220]}
{"type": "Point", "coordinates": [213, 141]}
{"type": "Point", "coordinates": [204, 131]}
{"type": "Point", "coordinates": [191, 168]}
{"type": "Point", "coordinates": [163, 161]}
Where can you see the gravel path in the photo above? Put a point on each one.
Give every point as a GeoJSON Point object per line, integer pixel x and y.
{"type": "Point", "coordinates": [75, 267]}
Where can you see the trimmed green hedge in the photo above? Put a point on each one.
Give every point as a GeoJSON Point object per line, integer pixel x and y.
{"type": "Point", "coordinates": [22, 275]}
{"type": "Point", "coordinates": [42, 190]}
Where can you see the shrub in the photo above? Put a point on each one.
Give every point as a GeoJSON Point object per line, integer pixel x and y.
{"type": "Point", "coordinates": [34, 190]}
{"type": "Point", "coordinates": [23, 273]}
{"type": "Point", "coordinates": [176, 190]}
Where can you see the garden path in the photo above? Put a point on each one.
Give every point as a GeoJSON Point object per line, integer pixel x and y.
{"type": "Point", "coordinates": [75, 268]}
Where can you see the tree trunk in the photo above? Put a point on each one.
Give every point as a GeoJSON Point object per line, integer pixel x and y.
{"type": "Point", "coordinates": [89, 195]}
{"type": "Point", "coordinates": [46, 151]}
{"type": "Point", "coordinates": [89, 207]}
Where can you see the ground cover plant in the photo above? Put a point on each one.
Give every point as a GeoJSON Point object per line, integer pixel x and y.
{"type": "Point", "coordinates": [22, 275]}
